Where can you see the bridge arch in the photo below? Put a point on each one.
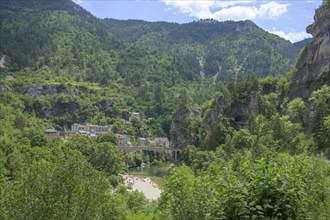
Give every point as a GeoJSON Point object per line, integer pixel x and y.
{"type": "Point", "coordinates": [175, 151]}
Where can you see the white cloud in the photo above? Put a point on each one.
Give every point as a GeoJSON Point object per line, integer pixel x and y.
{"type": "Point", "coordinates": [80, 2]}
{"type": "Point", "coordinates": [272, 10]}
{"type": "Point", "coordinates": [199, 9]}
{"type": "Point", "coordinates": [236, 13]}
{"type": "Point", "coordinates": [291, 36]}
{"type": "Point", "coordinates": [229, 3]}
{"type": "Point", "coordinates": [229, 10]}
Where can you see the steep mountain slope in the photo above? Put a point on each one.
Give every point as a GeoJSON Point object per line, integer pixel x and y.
{"type": "Point", "coordinates": [64, 36]}
{"type": "Point", "coordinates": [62, 64]}
{"type": "Point", "coordinates": [314, 62]}
{"type": "Point", "coordinates": [215, 49]}
{"type": "Point", "coordinates": [66, 67]}
{"type": "Point", "coordinates": [301, 44]}
{"type": "Point", "coordinates": [300, 100]}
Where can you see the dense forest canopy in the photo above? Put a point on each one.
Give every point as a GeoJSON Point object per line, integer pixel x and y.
{"type": "Point", "coordinates": [254, 139]}
{"type": "Point", "coordinates": [218, 49]}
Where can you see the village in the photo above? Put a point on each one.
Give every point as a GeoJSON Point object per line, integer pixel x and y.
{"type": "Point", "coordinates": [124, 140]}
{"type": "Point", "coordinates": [151, 190]}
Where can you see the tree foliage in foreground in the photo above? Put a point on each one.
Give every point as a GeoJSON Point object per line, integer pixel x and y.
{"type": "Point", "coordinates": [277, 186]}
{"type": "Point", "coordinates": [61, 184]}
{"type": "Point", "coordinates": [68, 188]}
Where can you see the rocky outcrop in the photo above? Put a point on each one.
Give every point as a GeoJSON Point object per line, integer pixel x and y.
{"type": "Point", "coordinates": [214, 115]}
{"type": "Point", "coordinates": [63, 108]}
{"type": "Point", "coordinates": [183, 126]}
{"type": "Point", "coordinates": [2, 62]}
{"type": "Point", "coordinates": [242, 112]}
{"type": "Point", "coordinates": [104, 104]}
{"type": "Point", "coordinates": [313, 66]}
{"type": "Point", "coordinates": [221, 114]}
{"type": "Point", "coordinates": [10, 78]}
{"type": "Point", "coordinates": [238, 113]}
{"type": "Point", "coordinates": [314, 61]}
{"type": "Point", "coordinates": [41, 90]}
{"type": "Point", "coordinates": [245, 26]}
{"type": "Point", "coordinates": [201, 62]}
{"type": "Point", "coordinates": [3, 87]}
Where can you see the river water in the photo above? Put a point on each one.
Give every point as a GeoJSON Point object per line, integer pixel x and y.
{"type": "Point", "coordinates": [155, 172]}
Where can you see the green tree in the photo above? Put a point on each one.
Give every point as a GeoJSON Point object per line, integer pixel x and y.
{"type": "Point", "coordinates": [19, 122]}
{"type": "Point", "coordinates": [38, 140]}
{"type": "Point", "coordinates": [177, 198]}
{"type": "Point", "coordinates": [107, 157]}
{"type": "Point", "coordinates": [297, 109]}
{"type": "Point", "coordinates": [276, 186]}
{"type": "Point", "coordinates": [242, 139]}
{"type": "Point", "coordinates": [81, 143]}
{"type": "Point", "coordinates": [68, 188]}
{"type": "Point", "coordinates": [108, 137]}
{"type": "Point", "coordinates": [138, 158]}
{"type": "Point", "coordinates": [319, 126]}
{"type": "Point", "coordinates": [188, 155]}
{"type": "Point", "coordinates": [14, 163]}
{"type": "Point", "coordinates": [268, 104]}
{"type": "Point", "coordinates": [136, 201]}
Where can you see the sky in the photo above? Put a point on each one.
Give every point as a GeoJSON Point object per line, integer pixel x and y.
{"type": "Point", "coordinates": [288, 19]}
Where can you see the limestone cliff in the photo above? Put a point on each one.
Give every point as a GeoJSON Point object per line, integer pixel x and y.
{"type": "Point", "coordinates": [36, 90]}
{"type": "Point", "coordinates": [185, 124]}
{"type": "Point", "coordinates": [213, 117]}
{"type": "Point", "coordinates": [312, 73]}
{"type": "Point", "coordinates": [240, 113]}
{"type": "Point", "coordinates": [221, 115]}
{"type": "Point", "coordinates": [314, 61]}
{"type": "Point", "coordinates": [192, 127]}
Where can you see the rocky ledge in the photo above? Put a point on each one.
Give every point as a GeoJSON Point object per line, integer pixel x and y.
{"type": "Point", "coordinates": [314, 60]}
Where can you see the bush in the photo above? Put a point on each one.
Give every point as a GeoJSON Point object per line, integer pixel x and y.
{"type": "Point", "coordinates": [277, 186]}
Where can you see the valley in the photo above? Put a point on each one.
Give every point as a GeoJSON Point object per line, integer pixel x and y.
{"type": "Point", "coordinates": [229, 120]}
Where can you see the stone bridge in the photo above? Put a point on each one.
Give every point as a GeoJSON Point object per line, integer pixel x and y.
{"type": "Point", "coordinates": [161, 150]}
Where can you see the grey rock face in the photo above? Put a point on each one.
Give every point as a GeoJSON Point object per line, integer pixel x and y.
{"type": "Point", "coordinates": [241, 112]}
{"type": "Point", "coordinates": [180, 124]}
{"type": "Point", "coordinates": [3, 87]}
{"type": "Point", "coordinates": [315, 59]}
{"type": "Point", "coordinates": [41, 90]}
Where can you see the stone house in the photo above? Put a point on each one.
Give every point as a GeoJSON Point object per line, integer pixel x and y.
{"type": "Point", "coordinates": [89, 129]}
{"type": "Point", "coordinates": [123, 140]}
{"type": "Point", "coordinates": [51, 133]}
{"type": "Point", "coordinates": [142, 141]}
{"type": "Point", "coordinates": [162, 142]}
{"type": "Point", "coordinates": [134, 114]}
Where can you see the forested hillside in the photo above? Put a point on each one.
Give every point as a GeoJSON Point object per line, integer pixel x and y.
{"type": "Point", "coordinates": [253, 146]}
{"type": "Point", "coordinates": [301, 44]}
{"type": "Point", "coordinates": [220, 50]}
{"type": "Point", "coordinates": [64, 36]}
{"type": "Point", "coordinates": [67, 53]}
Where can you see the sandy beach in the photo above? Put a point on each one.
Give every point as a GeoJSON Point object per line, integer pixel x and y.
{"type": "Point", "coordinates": [144, 185]}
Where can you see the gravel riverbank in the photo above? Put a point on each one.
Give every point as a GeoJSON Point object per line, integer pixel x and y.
{"type": "Point", "coordinates": [144, 185]}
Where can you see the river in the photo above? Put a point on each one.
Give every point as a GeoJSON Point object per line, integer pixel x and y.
{"type": "Point", "coordinates": [155, 172]}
